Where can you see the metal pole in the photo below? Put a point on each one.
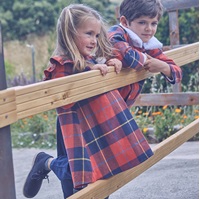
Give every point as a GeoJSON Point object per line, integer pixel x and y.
{"type": "Point", "coordinates": [7, 182]}
{"type": "Point", "coordinates": [33, 63]}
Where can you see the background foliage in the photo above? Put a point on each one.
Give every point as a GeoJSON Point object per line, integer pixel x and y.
{"type": "Point", "coordinates": [21, 18]}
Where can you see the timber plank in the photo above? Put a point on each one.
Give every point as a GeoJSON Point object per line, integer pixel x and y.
{"type": "Point", "coordinates": [63, 80]}
{"type": "Point", "coordinates": [6, 96]}
{"type": "Point", "coordinates": [8, 118]}
{"type": "Point", "coordinates": [43, 96]}
{"type": "Point", "coordinates": [162, 99]}
{"type": "Point", "coordinates": [67, 97]}
{"type": "Point", "coordinates": [8, 107]}
{"type": "Point", "coordinates": [185, 54]}
{"type": "Point", "coordinates": [67, 86]}
{"type": "Point", "coordinates": [182, 51]}
{"type": "Point", "coordinates": [171, 5]}
{"type": "Point", "coordinates": [186, 60]}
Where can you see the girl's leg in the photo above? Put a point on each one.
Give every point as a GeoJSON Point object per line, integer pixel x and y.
{"type": "Point", "coordinates": [67, 184]}
{"type": "Point", "coordinates": [43, 163]}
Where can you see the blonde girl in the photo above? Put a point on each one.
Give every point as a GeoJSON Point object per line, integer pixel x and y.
{"type": "Point", "coordinates": [97, 137]}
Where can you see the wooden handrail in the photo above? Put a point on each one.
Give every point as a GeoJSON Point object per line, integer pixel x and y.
{"type": "Point", "coordinates": [162, 99]}
{"type": "Point", "coordinates": [20, 102]}
{"type": "Point", "coordinates": [170, 5]}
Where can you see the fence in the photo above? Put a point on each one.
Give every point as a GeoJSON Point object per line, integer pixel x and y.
{"type": "Point", "coordinates": [20, 102]}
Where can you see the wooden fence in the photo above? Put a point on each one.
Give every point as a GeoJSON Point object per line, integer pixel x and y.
{"type": "Point", "coordinates": [20, 102]}
{"type": "Point", "coordinates": [23, 101]}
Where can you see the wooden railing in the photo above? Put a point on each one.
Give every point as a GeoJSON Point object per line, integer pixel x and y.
{"type": "Point", "coordinates": [20, 102]}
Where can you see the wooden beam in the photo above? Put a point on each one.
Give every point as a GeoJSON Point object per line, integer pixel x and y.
{"type": "Point", "coordinates": [182, 55]}
{"type": "Point", "coordinates": [162, 99]}
{"type": "Point", "coordinates": [171, 5]}
{"type": "Point", "coordinates": [103, 188]}
{"type": "Point", "coordinates": [43, 96]}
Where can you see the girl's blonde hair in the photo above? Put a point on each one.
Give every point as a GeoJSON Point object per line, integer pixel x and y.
{"type": "Point", "coordinates": [70, 19]}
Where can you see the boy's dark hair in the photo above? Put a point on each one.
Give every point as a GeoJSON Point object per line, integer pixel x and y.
{"type": "Point", "coordinates": [133, 9]}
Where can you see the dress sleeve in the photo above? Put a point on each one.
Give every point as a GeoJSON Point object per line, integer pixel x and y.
{"type": "Point", "coordinates": [128, 55]}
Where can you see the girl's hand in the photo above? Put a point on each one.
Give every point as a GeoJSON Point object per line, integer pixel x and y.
{"type": "Point", "coordinates": [116, 63]}
{"type": "Point", "coordinates": [102, 67]}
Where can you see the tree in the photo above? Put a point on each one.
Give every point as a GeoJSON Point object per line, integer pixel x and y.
{"type": "Point", "coordinates": [22, 17]}
{"type": "Point", "coordinates": [187, 18]}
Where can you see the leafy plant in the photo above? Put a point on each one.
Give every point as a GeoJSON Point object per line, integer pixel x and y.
{"type": "Point", "coordinates": [158, 123]}
{"type": "Point", "coordinates": [10, 70]}
{"type": "Point", "coordinates": [23, 17]}
{"type": "Point", "coordinates": [35, 131]}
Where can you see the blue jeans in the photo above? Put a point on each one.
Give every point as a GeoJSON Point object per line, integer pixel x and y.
{"type": "Point", "coordinates": [60, 165]}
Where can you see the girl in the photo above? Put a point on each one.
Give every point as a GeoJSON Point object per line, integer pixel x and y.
{"type": "Point", "coordinates": [99, 137]}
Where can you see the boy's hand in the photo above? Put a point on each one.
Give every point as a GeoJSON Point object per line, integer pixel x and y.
{"type": "Point", "coordinates": [102, 67]}
{"type": "Point", "coordinates": [154, 65]}
{"type": "Point", "coordinates": [116, 63]}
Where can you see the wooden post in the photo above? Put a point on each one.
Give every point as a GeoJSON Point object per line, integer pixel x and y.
{"type": "Point", "coordinates": [174, 28]}
{"type": "Point", "coordinates": [174, 38]}
{"type": "Point", "coordinates": [7, 183]}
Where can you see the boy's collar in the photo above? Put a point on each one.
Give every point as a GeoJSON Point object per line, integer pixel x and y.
{"type": "Point", "coordinates": [153, 43]}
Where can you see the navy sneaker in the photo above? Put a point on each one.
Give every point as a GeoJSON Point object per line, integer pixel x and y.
{"type": "Point", "coordinates": [36, 175]}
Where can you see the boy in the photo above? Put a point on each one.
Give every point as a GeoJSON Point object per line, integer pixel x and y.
{"type": "Point", "coordinates": [136, 46]}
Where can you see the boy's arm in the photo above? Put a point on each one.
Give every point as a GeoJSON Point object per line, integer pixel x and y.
{"type": "Point", "coordinates": [130, 57]}
{"type": "Point", "coordinates": [171, 72]}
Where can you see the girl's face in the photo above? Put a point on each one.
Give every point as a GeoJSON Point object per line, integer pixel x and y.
{"type": "Point", "coordinates": [144, 26]}
{"type": "Point", "coordinates": [86, 39]}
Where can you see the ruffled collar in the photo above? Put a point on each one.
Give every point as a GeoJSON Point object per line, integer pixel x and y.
{"type": "Point", "coordinates": [153, 43]}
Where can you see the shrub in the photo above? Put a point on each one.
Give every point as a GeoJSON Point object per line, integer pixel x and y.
{"type": "Point", "coordinates": [158, 123]}
{"type": "Point", "coordinates": [35, 131]}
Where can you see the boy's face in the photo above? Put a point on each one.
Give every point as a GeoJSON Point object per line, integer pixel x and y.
{"type": "Point", "coordinates": [144, 26]}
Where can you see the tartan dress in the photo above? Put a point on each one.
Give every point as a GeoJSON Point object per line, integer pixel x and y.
{"type": "Point", "coordinates": [100, 135]}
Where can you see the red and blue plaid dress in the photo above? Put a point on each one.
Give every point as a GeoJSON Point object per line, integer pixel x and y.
{"type": "Point", "coordinates": [100, 135]}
